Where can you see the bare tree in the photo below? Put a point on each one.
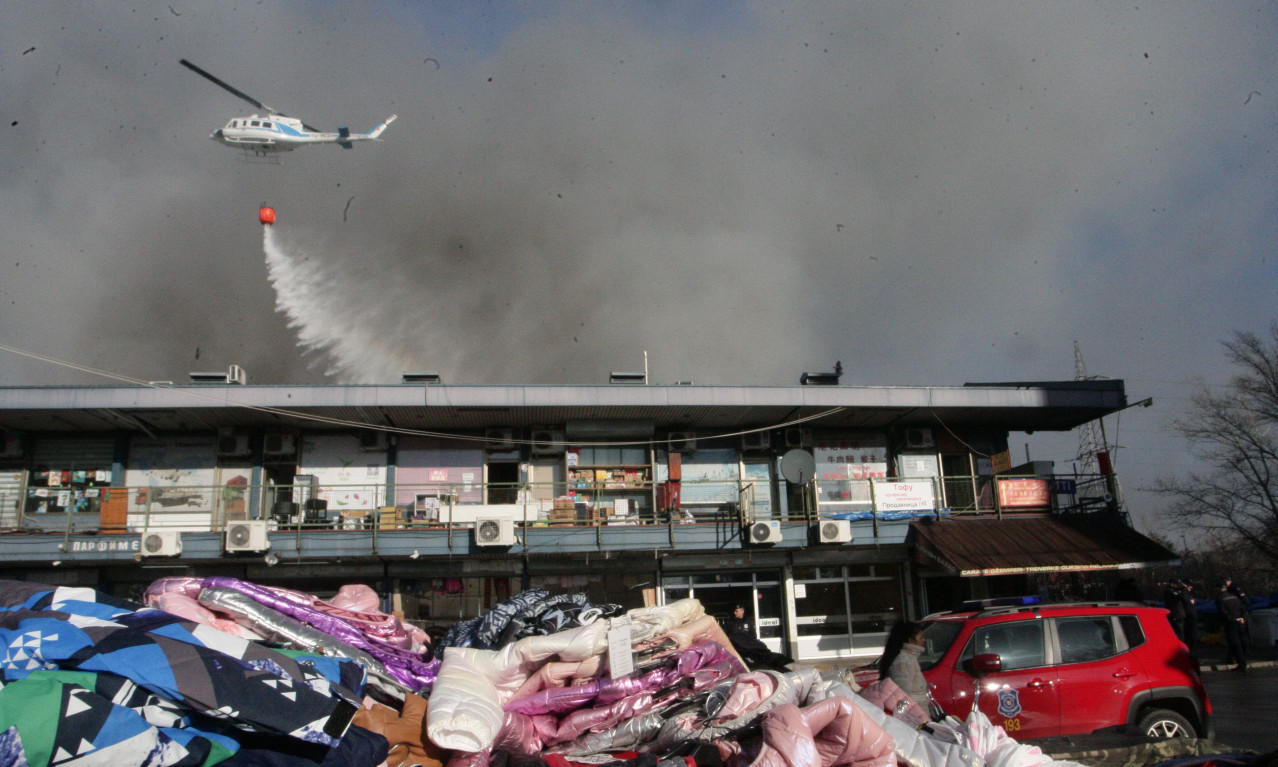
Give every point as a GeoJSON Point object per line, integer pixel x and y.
{"type": "Point", "coordinates": [1235, 435]}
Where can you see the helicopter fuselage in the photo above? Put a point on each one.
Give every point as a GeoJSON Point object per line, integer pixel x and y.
{"type": "Point", "coordinates": [277, 133]}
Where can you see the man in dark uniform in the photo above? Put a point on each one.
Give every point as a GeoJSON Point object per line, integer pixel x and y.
{"type": "Point", "coordinates": [752, 650]}
{"type": "Point", "coordinates": [1233, 619]}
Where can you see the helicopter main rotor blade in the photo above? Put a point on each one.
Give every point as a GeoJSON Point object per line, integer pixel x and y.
{"type": "Point", "coordinates": [216, 81]}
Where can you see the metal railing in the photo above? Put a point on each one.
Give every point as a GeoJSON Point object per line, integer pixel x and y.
{"type": "Point", "coordinates": [454, 505]}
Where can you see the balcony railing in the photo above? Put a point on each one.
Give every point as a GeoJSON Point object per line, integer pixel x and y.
{"type": "Point", "coordinates": [305, 507]}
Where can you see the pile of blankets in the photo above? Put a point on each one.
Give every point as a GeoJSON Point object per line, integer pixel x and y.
{"type": "Point", "coordinates": [220, 671]}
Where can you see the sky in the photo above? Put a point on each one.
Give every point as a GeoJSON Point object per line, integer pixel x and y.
{"type": "Point", "coordinates": [930, 193]}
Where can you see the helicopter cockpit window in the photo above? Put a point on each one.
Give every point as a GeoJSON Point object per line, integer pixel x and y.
{"type": "Point", "coordinates": [266, 125]}
{"type": "Point", "coordinates": [257, 123]}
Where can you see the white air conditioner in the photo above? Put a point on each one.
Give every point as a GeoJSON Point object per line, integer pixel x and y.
{"type": "Point", "coordinates": [915, 438]}
{"type": "Point", "coordinates": [764, 532]}
{"type": "Point", "coordinates": [682, 441]}
{"type": "Point", "coordinates": [494, 531]}
{"type": "Point", "coordinates": [232, 444]}
{"type": "Point", "coordinates": [756, 440]}
{"type": "Point", "coordinates": [798, 438]}
{"type": "Point", "coordinates": [834, 531]}
{"type": "Point", "coordinates": [236, 375]}
{"type": "Point", "coordinates": [161, 543]}
{"type": "Point", "coordinates": [373, 441]}
{"type": "Point", "coordinates": [247, 535]}
{"type": "Point", "coordinates": [547, 441]}
{"type": "Point", "coordinates": [499, 439]}
{"type": "Point", "coordinates": [279, 444]}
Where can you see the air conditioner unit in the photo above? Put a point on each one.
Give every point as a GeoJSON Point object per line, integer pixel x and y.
{"type": "Point", "coordinates": [546, 441]}
{"type": "Point", "coordinates": [682, 441]}
{"type": "Point", "coordinates": [279, 444]}
{"type": "Point", "coordinates": [499, 439]}
{"type": "Point", "coordinates": [834, 531]}
{"type": "Point", "coordinates": [764, 532]}
{"type": "Point", "coordinates": [247, 535]}
{"type": "Point", "coordinates": [10, 446]}
{"type": "Point", "coordinates": [373, 441]}
{"type": "Point", "coordinates": [161, 543]}
{"type": "Point", "coordinates": [756, 440]}
{"type": "Point", "coordinates": [798, 438]}
{"type": "Point", "coordinates": [232, 444]}
{"type": "Point", "coordinates": [236, 375]}
{"type": "Point", "coordinates": [919, 438]}
{"type": "Point", "coordinates": [494, 531]}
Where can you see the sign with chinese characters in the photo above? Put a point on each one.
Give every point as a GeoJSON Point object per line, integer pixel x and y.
{"type": "Point", "coordinates": [1024, 493]}
{"type": "Point", "coordinates": [851, 459]}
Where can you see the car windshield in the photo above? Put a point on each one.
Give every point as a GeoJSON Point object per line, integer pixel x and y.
{"type": "Point", "coordinates": [937, 638]}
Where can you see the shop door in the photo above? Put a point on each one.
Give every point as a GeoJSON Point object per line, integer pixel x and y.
{"type": "Point", "coordinates": [760, 593]}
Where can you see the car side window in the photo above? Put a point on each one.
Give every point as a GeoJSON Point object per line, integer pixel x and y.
{"type": "Point", "coordinates": [1132, 630]}
{"type": "Point", "coordinates": [1086, 638]}
{"type": "Point", "coordinates": [1018, 644]}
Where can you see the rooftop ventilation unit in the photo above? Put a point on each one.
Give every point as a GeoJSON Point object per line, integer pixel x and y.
{"type": "Point", "coordinates": [234, 375]}
{"type": "Point", "coordinates": [764, 532]}
{"type": "Point", "coordinates": [161, 543]}
{"type": "Point", "coordinates": [422, 378]}
{"type": "Point", "coordinates": [494, 531]}
{"type": "Point", "coordinates": [823, 379]}
{"type": "Point", "coordinates": [247, 535]}
{"type": "Point", "coordinates": [627, 378]}
{"type": "Point", "coordinates": [834, 531]}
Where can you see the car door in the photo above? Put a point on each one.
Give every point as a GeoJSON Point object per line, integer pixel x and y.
{"type": "Point", "coordinates": [1098, 673]}
{"type": "Point", "coordinates": [1022, 697]}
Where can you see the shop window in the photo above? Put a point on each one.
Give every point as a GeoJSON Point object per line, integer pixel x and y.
{"type": "Point", "coordinates": [58, 490]}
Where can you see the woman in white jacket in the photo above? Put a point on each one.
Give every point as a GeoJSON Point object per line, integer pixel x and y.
{"type": "Point", "coordinates": [900, 661]}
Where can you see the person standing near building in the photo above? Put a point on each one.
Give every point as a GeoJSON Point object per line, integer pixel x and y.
{"type": "Point", "coordinates": [900, 661]}
{"type": "Point", "coordinates": [1189, 632]}
{"type": "Point", "coordinates": [1233, 619]}
{"type": "Point", "coordinates": [1174, 601]}
{"type": "Point", "coordinates": [740, 632]}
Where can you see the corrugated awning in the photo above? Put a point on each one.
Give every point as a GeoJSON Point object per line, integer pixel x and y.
{"type": "Point", "coordinates": [1074, 543]}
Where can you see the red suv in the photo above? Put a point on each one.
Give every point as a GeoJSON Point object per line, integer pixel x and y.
{"type": "Point", "coordinates": [1065, 669]}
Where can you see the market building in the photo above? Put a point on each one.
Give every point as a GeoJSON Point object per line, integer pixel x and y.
{"type": "Point", "coordinates": [828, 510]}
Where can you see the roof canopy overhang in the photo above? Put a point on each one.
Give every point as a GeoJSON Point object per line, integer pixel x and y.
{"type": "Point", "coordinates": [1046, 406]}
{"type": "Point", "coordinates": [1075, 543]}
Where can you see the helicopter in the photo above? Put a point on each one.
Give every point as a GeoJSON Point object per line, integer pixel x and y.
{"type": "Point", "coordinates": [274, 132]}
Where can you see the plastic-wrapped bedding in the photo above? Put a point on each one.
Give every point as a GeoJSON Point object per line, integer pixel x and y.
{"type": "Point", "coordinates": [465, 713]}
{"type": "Point", "coordinates": [285, 630]}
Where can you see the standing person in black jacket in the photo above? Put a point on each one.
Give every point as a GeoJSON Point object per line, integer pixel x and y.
{"type": "Point", "coordinates": [1190, 632]}
{"type": "Point", "coordinates": [1174, 601]}
{"type": "Point", "coordinates": [752, 650]}
{"type": "Point", "coordinates": [1233, 619]}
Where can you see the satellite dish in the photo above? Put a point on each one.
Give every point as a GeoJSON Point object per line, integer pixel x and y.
{"type": "Point", "coordinates": [798, 466]}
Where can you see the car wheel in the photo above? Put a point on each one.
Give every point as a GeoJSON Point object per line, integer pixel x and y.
{"type": "Point", "coordinates": [1162, 723]}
